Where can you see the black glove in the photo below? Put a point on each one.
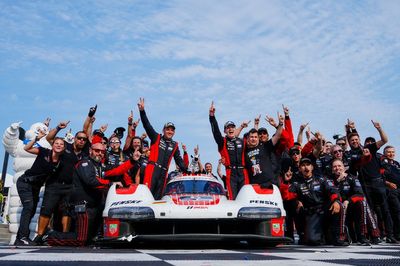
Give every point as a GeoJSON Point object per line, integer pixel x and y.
{"type": "Point", "coordinates": [92, 111]}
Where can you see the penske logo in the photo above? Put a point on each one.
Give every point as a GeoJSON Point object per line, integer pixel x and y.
{"type": "Point", "coordinates": [123, 202]}
{"type": "Point", "coordinates": [266, 202]}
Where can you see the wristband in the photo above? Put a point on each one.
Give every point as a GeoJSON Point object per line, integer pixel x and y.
{"type": "Point", "coordinates": [37, 139]}
{"type": "Point", "coordinates": [58, 128]}
{"type": "Point", "coordinates": [130, 124]}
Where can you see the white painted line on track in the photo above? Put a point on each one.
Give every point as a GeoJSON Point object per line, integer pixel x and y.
{"type": "Point", "coordinates": [79, 257]}
{"type": "Point", "coordinates": [190, 251]}
{"type": "Point", "coordinates": [247, 262]}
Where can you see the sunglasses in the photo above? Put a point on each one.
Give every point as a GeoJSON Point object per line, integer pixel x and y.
{"type": "Point", "coordinates": [82, 138]}
{"type": "Point", "coordinates": [100, 151]}
{"type": "Point", "coordinates": [338, 151]}
{"type": "Point", "coordinates": [341, 143]}
{"type": "Point", "coordinates": [296, 152]}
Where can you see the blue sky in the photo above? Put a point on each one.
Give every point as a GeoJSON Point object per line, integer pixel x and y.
{"type": "Point", "coordinates": [326, 60]}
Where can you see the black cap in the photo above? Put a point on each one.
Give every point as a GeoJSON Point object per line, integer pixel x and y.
{"type": "Point", "coordinates": [169, 124]}
{"type": "Point", "coordinates": [98, 132]}
{"type": "Point", "coordinates": [262, 129]}
{"type": "Point", "coordinates": [119, 132]}
{"type": "Point", "coordinates": [228, 124]}
{"type": "Point", "coordinates": [370, 139]}
{"type": "Point", "coordinates": [305, 160]}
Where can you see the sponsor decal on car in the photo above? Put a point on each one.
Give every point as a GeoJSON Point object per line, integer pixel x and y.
{"type": "Point", "coordinates": [197, 207]}
{"type": "Point", "coordinates": [267, 202]}
{"type": "Point", "coordinates": [125, 202]}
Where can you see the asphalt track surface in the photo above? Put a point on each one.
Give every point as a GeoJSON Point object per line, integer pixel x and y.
{"type": "Point", "coordinates": [192, 255]}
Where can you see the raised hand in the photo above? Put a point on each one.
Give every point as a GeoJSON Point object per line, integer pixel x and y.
{"type": "Point", "coordinates": [103, 128]}
{"type": "Point", "coordinates": [130, 118]}
{"type": "Point", "coordinates": [212, 109]}
{"type": "Point", "coordinates": [141, 104]}
{"type": "Point", "coordinates": [257, 120]}
{"type": "Point", "coordinates": [245, 124]}
{"type": "Point", "coordinates": [285, 110]}
{"type": "Point", "coordinates": [63, 124]}
{"type": "Point", "coordinates": [184, 147]}
{"type": "Point", "coordinates": [281, 118]}
{"type": "Point", "coordinates": [92, 111]}
{"type": "Point", "coordinates": [350, 124]}
{"type": "Point", "coordinates": [136, 123]}
{"type": "Point", "coordinates": [376, 124]}
{"type": "Point", "coordinates": [196, 150]}
{"type": "Point", "coordinates": [303, 126]}
{"type": "Point", "coordinates": [271, 121]}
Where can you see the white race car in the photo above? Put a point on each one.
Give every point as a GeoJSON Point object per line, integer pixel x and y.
{"type": "Point", "coordinates": [195, 208]}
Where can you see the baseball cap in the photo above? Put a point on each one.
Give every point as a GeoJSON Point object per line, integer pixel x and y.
{"type": "Point", "coordinates": [228, 124]}
{"type": "Point", "coordinates": [262, 129]}
{"type": "Point", "coordinates": [305, 160]}
{"type": "Point", "coordinates": [169, 124]}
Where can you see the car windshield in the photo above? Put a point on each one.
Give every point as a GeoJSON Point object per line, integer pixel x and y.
{"type": "Point", "coordinates": [194, 187]}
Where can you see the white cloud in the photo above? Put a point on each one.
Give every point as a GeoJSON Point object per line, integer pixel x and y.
{"type": "Point", "coordinates": [326, 60]}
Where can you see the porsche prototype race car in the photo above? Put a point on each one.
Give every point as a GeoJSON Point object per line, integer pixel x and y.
{"type": "Point", "coordinates": [195, 208]}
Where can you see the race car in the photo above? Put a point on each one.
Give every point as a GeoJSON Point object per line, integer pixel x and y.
{"type": "Point", "coordinates": [195, 207]}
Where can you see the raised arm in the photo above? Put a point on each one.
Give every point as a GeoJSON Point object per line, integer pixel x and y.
{"type": "Point", "coordinates": [146, 123]}
{"type": "Point", "coordinates": [53, 133]}
{"type": "Point", "coordinates": [88, 123]}
{"type": "Point", "coordinates": [238, 130]}
{"type": "Point", "coordinates": [29, 147]}
{"type": "Point", "coordinates": [382, 134]}
{"type": "Point", "coordinates": [279, 127]}
{"type": "Point", "coordinates": [300, 134]}
{"type": "Point", "coordinates": [215, 129]}
{"type": "Point", "coordinates": [257, 122]}
{"type": "Point", "coordinates": [131, 131]}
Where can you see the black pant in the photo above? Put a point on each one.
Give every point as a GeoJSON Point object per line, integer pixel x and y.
{"type": "Point", "coordinates": [394, 204]}
{"type": "Point", "coordinates": [376, 194]}
{"type": "Point", "coordinates": [292, 218]}
{"type": "Point", "coordinates": [56, 194]}
{"type": "Point", "coordinates": [86, 221]}
{"type": "Point", "coordinates": [321, 226]}
{"type": "Point", "coordinates": [29, 195]}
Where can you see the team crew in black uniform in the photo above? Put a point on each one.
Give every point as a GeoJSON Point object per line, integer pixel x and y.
{"type": "Point", "coordinates": [325, 188]}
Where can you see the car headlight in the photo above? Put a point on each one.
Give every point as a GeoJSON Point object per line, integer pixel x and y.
{"type": "Point", "coordinates": [259, 213]}
{"type": "Point", "coordinates": [135, 213]}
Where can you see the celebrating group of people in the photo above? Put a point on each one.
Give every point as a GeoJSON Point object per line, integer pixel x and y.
{"type": "Point", "coordinates": [332, 193]}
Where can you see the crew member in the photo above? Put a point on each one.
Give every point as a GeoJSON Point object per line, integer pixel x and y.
{"type": "Point", "coordinates": [163, 148]}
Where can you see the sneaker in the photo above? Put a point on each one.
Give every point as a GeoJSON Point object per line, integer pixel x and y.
{"type": "Point", "coordinates": [363, 242]}
{"type": "Point", "coordinates": [24, 241]}
{"type": "Point", "coordinates": [38, 240]}
{"type": "Point", "coordinates": [341, 243]}
{"type": "Point", "coordinates": [376, 241]}
{"type": "Point", "coordinates": [391, 240]}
